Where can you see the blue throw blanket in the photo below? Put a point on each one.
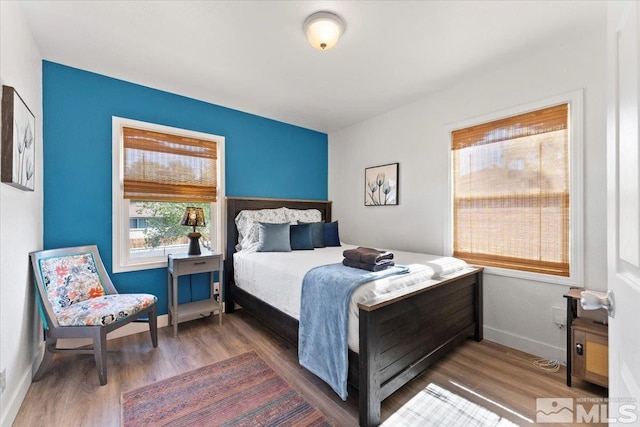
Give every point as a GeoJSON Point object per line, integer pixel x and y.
{"type": "Point", "coordinates": [323, 348]}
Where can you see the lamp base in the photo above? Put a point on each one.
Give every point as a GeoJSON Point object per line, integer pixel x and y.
{"type": "Point", "coordinates": [194, 243]}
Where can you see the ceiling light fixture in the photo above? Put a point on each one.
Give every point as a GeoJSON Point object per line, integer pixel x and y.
{"type": "Point", "coordinates": [323, 29]}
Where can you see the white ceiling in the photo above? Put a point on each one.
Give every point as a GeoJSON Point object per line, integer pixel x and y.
{"type": "Point", "coordinates": [253, 55]}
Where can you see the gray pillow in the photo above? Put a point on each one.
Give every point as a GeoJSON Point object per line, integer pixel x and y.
{"type": "Point", "coordinates": [273, 237]}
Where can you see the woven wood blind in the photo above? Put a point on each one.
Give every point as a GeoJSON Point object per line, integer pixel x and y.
{"type": "Point", "coordinates": [164, 167]}
{"type": "Point", "coordinates": [511, 192]}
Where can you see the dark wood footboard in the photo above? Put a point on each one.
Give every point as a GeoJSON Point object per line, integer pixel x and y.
{"type": "Point", "coordinates": [401, 334]}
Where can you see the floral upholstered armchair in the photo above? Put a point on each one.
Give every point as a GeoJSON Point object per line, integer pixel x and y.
{"type": "Point", "coordinates": [77, 299]}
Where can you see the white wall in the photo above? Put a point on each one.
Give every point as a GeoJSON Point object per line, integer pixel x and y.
{"type": "Point", "coordinates": [20, 221]}
{"type": "Point", "coordinates": [516, 312]}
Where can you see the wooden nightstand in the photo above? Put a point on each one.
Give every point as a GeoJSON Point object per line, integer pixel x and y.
{"type": "Point", "coordinates": [587, 345]}
{"type": "Point", "coordinates": [183, 264]}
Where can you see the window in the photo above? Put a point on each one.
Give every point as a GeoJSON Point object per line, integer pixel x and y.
{"type": "Point", "coordinates": [157, 172]}
{"type": "Point", "coordinates": [515, 193]}
{"type": "Point", "coordinates": [138, 223]}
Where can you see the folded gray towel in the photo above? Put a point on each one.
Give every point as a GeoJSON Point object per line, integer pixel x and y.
{"type": "Point", "coordinates": [371, 267]}
{"type": "Point", "coordinates": [367, 255]}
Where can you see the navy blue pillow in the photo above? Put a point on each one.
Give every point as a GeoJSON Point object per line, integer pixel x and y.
{"type": "Point", "coordinates": [301, 237]}
{"type": "Point", "coordinates": [317, 233]}
{"type": "Point", "coordinates": [273, 237]}
{"type": "Point", "coordinates": [331, 236]}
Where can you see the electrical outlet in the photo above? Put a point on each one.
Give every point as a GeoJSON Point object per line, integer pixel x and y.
{"type": "Point", "coordinates": [559, 315]}
{"type": "Point", "coordinates": [3, 380]}
{"type": "Point", "coordinates": [216, 290]}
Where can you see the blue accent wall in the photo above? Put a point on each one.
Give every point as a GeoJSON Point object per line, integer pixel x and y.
{"type": "Point", "coordinates": [263, 158]}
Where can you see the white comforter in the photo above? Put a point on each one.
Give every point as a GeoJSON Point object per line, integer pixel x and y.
{"type": "Point", "coordinates": [276, 277]}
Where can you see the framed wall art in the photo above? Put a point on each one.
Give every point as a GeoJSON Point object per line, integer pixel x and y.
{"type": "Point", "coordinates": [381, 185]}
{"type": "Point", "coordinates": [18, 141]}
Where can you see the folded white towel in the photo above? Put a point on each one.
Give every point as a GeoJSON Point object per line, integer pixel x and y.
{"type": "Point", "coordinates": [446, 265]}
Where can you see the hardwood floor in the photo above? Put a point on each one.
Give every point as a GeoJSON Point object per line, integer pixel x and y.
{"type": "Point", "coordinates": [500, 379]}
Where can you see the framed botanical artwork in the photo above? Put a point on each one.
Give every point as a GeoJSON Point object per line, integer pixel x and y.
{"type": "Point", "coordinates": [381, 185]}
{"type": "Point", "coordinates": [18, 141]}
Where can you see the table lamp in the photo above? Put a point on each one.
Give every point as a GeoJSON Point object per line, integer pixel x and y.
{"type": "Point", "coordinates": [193, 217]}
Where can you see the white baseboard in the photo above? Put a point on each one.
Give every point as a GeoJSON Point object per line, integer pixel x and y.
{"type": "Point", "coordinates": [14, 401]}
{"type": "Point", "coordinates": [527, 345]}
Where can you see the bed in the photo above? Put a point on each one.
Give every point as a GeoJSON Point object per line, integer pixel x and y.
{"type": "Point", "coordinates": [400, 333]}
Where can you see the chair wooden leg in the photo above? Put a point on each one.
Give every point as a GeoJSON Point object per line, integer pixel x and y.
{"type": "Point", "coordinates": [46, 360]}
{"type": "Point", "coordinates": [100, 354]}
{"type": "Point", "coordinates": [153, 325]}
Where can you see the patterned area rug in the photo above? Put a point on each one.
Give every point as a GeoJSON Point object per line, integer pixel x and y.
{"type": "Point", "coordinates": [241, 391]}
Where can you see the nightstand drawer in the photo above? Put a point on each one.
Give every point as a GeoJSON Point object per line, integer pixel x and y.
{"type": "Point", "coordinates": [194, 265]}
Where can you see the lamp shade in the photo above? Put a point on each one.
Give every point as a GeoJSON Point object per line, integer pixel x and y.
{"type": "Point", "coordinates": [193, 217]}
{"type": "Point", "coordinates": [323, 29]}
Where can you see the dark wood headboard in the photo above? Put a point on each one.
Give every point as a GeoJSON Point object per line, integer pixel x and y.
{"type": "Point", "coordinates": [237, 204]}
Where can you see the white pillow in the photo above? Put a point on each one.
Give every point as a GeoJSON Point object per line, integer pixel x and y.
{"type": "Point", "coordinates": [247, 224]}
{"type": "Point", "coordinates": [304, 215]}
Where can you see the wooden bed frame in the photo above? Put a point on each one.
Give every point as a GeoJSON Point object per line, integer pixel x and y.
{"type": "Point", "coordinates": [400, 334]}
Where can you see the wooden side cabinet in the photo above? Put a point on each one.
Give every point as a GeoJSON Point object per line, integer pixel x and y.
{"type": "Point", "coordinates": [587, 345]}
{"type": "Point", "coordinates": [590, 351]}
{"type": "Point", "coordinates": [181, 265]}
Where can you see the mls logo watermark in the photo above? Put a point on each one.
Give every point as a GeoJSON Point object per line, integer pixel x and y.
{"type": "Point", "coordinates": [554, 410]}
{"type": "Point", "coordinates": [585, 410]}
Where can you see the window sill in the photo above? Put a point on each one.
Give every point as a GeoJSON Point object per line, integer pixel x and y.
{"type": "Point", "coordinates": [148, 265]}
{"type": "Point", "coordinates": [535, 277]}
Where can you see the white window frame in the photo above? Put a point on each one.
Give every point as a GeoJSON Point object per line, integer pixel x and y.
{"type": "Point", "coordinates": [576, 191]}
{"type": "Point", "coordinates": [120, 206]}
